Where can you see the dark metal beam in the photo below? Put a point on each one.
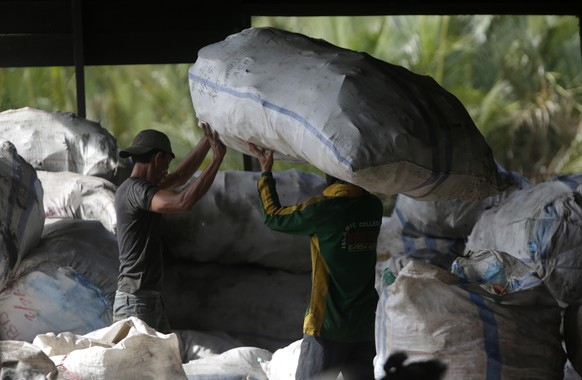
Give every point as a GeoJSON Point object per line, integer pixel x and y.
{"type": "Point", "coordinates": [42, 32]}
{"type": "Point", "coordinates": [412, 7]}
{"type": "Point", "coordinates": [77, 20]}
{"type": "Point", "coordinates": [39, 33]}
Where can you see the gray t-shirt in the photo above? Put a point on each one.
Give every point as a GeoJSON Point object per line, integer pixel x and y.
{"type": "Point", "coordinates": [138, 237]}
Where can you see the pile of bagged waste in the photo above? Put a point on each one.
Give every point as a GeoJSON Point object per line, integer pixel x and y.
{"type": "Point", "coordinates": [476, 266]}
{"type": "Point", "coordinates": [493, 289]}
{"type": "Point", "coordinates": [59, 263]}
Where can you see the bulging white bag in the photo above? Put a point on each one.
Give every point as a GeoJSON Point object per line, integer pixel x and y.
{"type": "Point", "coordinates": [353, 116]}
{"type": "Point", "coordinates": [63, 141]}
{"type": "Point", "coordinates": [21, 210]}
{"type": "Point", "coordinates": [128, 349]}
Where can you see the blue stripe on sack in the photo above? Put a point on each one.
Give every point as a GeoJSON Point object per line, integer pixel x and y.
{"type": "Point", "coordinates": [431, 243]}
{"type": "Point", "coordinates": [543, 235]}
{"type": "Point", "coordinates": [491, 337]}
{"type": "Point", "coordinates": [293, 115]}
{"type": "Point", "coordinates": [407, 241]}
{"type": "Point", "coordinates": [404, 222]}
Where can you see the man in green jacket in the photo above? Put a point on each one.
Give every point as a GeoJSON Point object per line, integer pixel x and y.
{"type": "Point", "coordinates": [343, 224]}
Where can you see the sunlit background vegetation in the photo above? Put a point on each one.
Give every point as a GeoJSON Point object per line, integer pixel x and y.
{"type": "Point", "coordinates": [520, 78]}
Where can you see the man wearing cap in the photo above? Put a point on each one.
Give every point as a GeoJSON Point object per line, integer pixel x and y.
{"type": "Point", "coordinates": [140, 202]}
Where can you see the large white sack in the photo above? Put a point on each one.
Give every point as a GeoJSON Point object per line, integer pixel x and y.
{"type": "Point", "coordinates": [63, 141]}
{"type": "Point", "coordinates": [242, 363]}
{"type": "Point", "coordinates": [202, 344]}
{"type": "Point", "coordinates": [260, 307]}
{"type": "Point", "coordinates": [541, 228]}
{"type": "Point", "coordinates": [393, 241]}
{"type": "Point", "coordinates": [21, 209]}
{"type": "Point", "coordinates": [51, 298]}
{"type": "Point", "coordinates": [396, 248]}
{"type": "Point", "coordinates": [86, 246]}
{"type": "Point", "coordinates": [347, 113]}
{"type": "Point", "coordinates": [192, 344]}
{"type": "Point", "coordinates": [283, 363]}
{"type": "Point", "coordinates": [66, 283]}
{"type": "Point", "coordinates": [128, 349]}
{"type": "Point", "coordinates": [452, 218]}
{"type": "Point", "coordinates": [430, 314]}
{"type": "Point", "coordinates": [78, 196]}
{"type": "Point", "coordinates": [226, 225]}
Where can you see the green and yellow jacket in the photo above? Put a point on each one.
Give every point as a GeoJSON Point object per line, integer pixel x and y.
{"type": "Point", "coordinates": [343, 224]}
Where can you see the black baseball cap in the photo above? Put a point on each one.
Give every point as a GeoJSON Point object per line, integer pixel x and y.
{"type": "Point", "coordinates": [146, 141]}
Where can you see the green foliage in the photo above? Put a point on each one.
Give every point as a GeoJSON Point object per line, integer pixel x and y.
{"type": "Point", "coordinates": [51, 88]}
{"type": "Point", "coordinates": [131, 98]}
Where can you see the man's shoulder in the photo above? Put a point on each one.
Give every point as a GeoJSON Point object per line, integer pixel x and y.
{"type": "Point", "coordinates": [134, 185]}
{"type": "Point", "coordinates": [134, 181]}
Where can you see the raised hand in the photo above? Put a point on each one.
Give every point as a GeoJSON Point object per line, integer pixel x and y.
{"type": "Point", "coordinates": [217, 146]}
{"type": "Point", "coordinates": [264, 155]}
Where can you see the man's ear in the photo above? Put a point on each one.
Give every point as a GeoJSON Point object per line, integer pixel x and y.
{"type": "Point", "coordinates": [158, 157]}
